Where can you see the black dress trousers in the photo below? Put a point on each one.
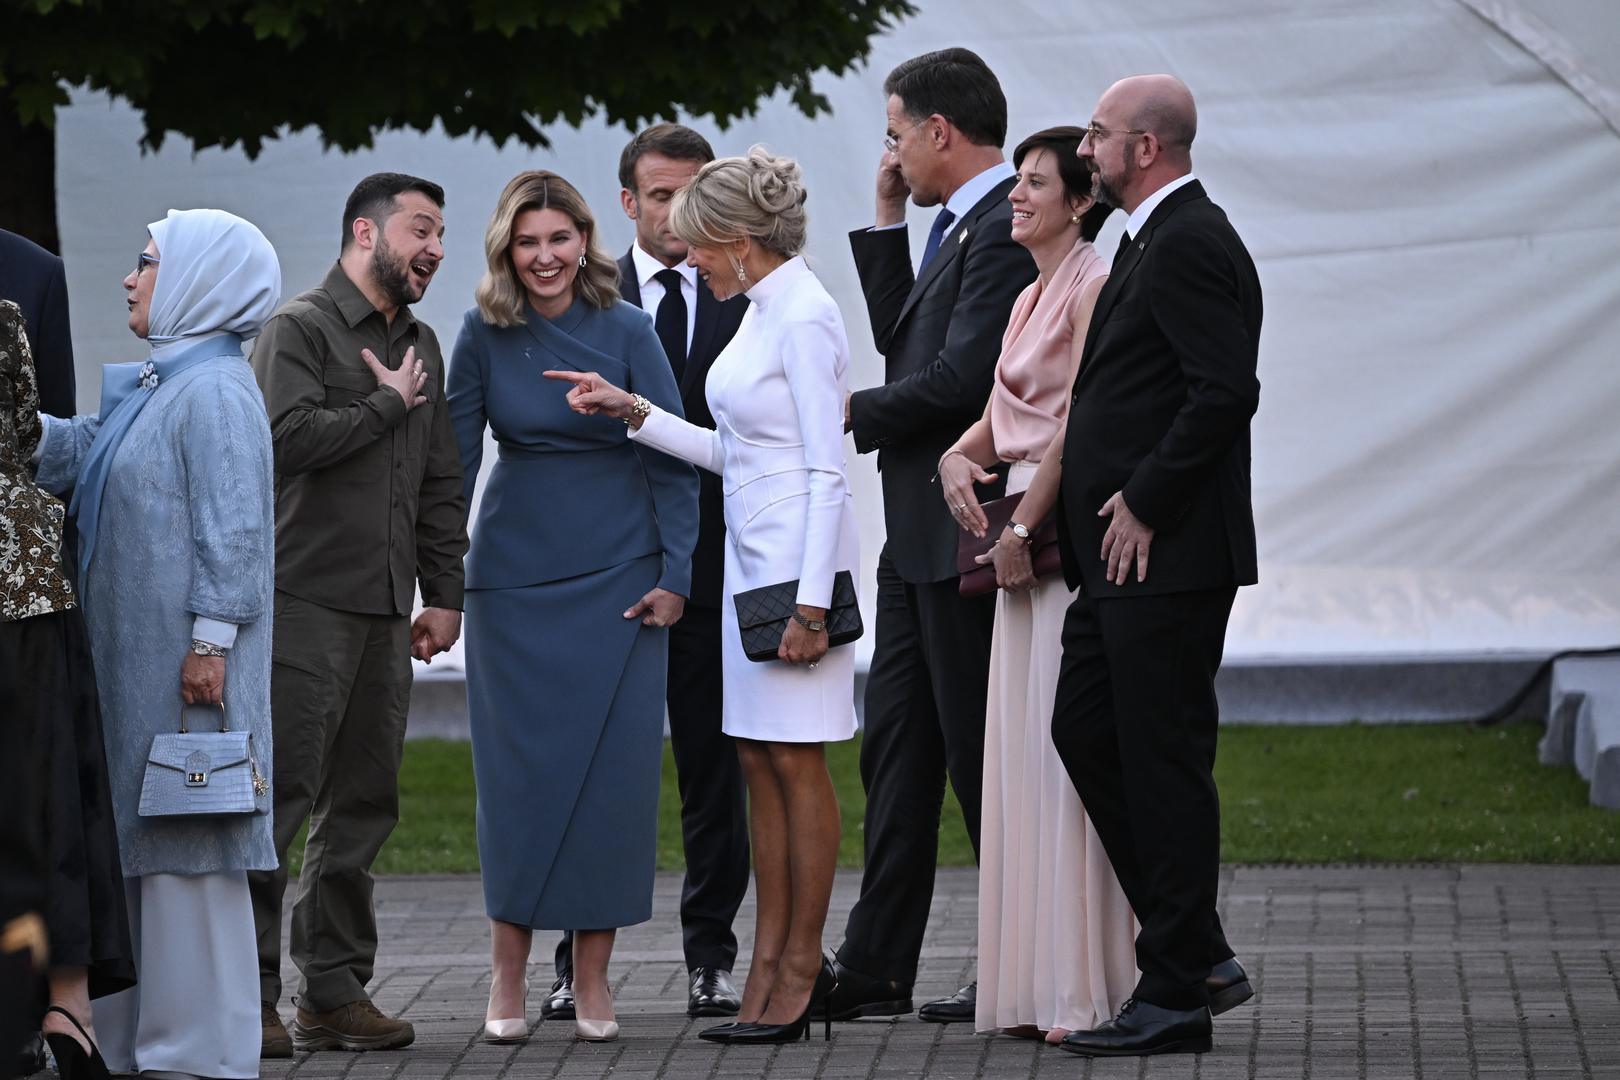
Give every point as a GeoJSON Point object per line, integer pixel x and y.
{"type": "Point", "coordinates": [1134, 722]}
{"type": "Point", "coordinates": [924, 721]}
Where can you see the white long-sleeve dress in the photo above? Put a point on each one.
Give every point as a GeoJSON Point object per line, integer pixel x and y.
{"type": "Point", "coordinates": [777, 395]}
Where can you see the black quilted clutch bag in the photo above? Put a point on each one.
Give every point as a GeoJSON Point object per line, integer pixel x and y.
{"type": "Point", "coordinates": [763, 613]}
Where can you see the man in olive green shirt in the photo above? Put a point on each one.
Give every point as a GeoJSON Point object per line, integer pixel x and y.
{"type": "Point", "coordinates": [368, 506]}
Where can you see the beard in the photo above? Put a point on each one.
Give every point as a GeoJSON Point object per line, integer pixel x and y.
{"type": "Point", "coordinates": [1108, 190]}
{"type": "Point", "coordinates": [392, 275]}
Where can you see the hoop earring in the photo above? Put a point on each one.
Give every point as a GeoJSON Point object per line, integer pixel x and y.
{"type": "Point", "coordinates": [582, 258]}
{"type": "Point", "coordinates": [742, 275]}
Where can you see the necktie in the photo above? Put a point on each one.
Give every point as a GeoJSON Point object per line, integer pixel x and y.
{"type": "Point", "coordinates": [942, 224]}
{"type": "Point", "coordinates": [1119, 252]}
{"type": "Point", "coordinates": [670, 322]}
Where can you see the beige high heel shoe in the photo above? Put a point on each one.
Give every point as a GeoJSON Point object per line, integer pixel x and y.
{"type": "Point", "coordinates": [513, 1030]}
{"type": "Point", "coordinates": [595, 1030]}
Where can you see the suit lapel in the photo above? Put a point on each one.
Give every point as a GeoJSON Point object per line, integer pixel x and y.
{"type": "Point", "coordinates": [1128, 262]}
{"type": "Point", "coordinates": [699, 355]}
{"type": "Point", "coordinates": [950, 248]}
{"type": "Point", "coordinates": [629, 280]}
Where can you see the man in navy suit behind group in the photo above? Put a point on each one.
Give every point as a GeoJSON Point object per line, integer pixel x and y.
{"type": "Point", "coordinates": [693, 327]}
{"type": "Point", "coordinates": [33, 279]}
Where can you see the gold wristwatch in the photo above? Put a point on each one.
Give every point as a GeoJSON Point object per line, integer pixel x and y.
{"type": "Point", "coordinates": [1020, 532]}
{"type": "Point", "coordinates": [815, 626]}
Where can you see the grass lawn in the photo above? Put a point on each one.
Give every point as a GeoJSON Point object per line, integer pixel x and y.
{"type": "Point", "coordinates": [1432, 792]}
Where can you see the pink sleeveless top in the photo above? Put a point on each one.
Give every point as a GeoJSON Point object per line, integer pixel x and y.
{"type": "Point", "coordinates": [1039, 362]}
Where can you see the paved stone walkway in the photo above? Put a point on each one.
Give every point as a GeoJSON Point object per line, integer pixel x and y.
{"type": "Point", "coordinates": [1369, 973]}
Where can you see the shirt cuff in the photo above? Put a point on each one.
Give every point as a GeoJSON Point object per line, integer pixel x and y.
{"type": "Point", "coordinates": [213, 632]}
{"type": "Point", "coordinates": [886, 228]}
{"type": "Point", "coordinates": [44, 437]}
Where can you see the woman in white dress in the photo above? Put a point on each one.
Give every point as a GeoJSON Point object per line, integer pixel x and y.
{"type": "Point", "coordinates": [777, 395]}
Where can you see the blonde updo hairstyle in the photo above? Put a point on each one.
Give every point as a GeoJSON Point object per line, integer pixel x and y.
{"type": "Point", "coordinates": [501, 297]}
{"type": "Point", "coordinates": [759, 197]}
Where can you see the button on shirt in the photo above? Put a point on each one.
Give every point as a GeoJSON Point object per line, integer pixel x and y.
{"type": "Point", "coordinates": [652, 290]}
{"type": "Point", "coordinates": [368, 494]}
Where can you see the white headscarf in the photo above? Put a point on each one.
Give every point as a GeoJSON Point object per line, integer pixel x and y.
{"type": "Point", "coordinates": [216, 274]}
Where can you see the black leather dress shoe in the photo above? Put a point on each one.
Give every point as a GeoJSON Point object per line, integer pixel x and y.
{"type": "Point", "coordinates": [711, 994]}
{"type": "Point", "coordinates": [954, 1009]}
{"type": "Point", "coordinates": [31, 1059]}
{"type": "Point", "coordinates": [1228, 986]}
{"type": "Point", "coordinates": [1142, 1028]}
{"type": "Point", "coordinates": [559, 1004]}
{"type": "Point", "coordinates": [858, 994]}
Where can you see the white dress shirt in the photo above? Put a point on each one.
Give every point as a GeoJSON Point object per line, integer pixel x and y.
{"type": "Point", "coordinates": [652, 290]}
{"type": "Point", "coordinates": [1139, 216]}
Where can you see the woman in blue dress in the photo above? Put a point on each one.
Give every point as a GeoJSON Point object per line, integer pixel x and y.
{"type": "Point", "coordinates": [580, 558]}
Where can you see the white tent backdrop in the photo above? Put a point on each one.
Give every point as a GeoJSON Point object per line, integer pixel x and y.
{"type": "Point", "coordinates": [1428, 187]}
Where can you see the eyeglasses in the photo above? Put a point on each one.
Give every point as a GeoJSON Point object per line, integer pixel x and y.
{"type": "Point", "coordinates": [142, 261]}
{"type": "Point", "coordinates": [891, 143]}
{"type": "Point", "coordinates": [1097, 133]}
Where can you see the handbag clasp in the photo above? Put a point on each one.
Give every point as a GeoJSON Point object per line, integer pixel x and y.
{"type": "Point", "coordinates": [197, 769]}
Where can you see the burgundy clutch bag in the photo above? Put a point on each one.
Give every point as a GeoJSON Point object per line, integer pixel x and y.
{"type": "Point", "coordinates": [979, 580]}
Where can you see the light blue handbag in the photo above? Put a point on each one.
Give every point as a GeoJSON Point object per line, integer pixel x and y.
{"type": "Point", "coordinates": [203, 774]}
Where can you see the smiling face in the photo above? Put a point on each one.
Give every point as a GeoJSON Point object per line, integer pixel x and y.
{"type": "Point", "coordinates": [658, 178]}
{"type": "Point", "coordinates": [717, 267]}
{"type": "Point", "coordinates": [545, 250]}
{"type": "Point", "coordinates": [138, 288]}
{"type": "Point", "coordinates": [408, 249]}
{"type": "Point", "coordinates": [1042, 210]}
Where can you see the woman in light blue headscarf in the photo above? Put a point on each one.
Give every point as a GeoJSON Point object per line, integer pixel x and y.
{"type": "Point", "coordinates": [172, 484]}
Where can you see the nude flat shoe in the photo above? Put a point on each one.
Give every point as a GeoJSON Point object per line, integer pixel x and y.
{"type": "Point", "coordinates": [515, 1030]}
{"type": "Point", "coordinates": [595, 1030]}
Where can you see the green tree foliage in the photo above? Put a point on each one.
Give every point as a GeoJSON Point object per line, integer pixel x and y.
{"type": "Point", "coordinates": [239, 72]}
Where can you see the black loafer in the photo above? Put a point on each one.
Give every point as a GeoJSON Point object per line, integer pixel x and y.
{"type": "Point", "coordinates": [711, 994]}
{"type": "Point", "coordinates": [1143, 1028]}
{"type": "Point", "coordinates": [958, 1007]}
{"type": "Point", "coordinates": [1228, 986]}
{"type": "Point", "coordinates": [858, 994]}
{"type": "Point", "coordinates": [559, 1004]}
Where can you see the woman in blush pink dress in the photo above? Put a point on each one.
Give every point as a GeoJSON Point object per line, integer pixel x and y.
{"type": "Point", "coordinates": [1056, 934]}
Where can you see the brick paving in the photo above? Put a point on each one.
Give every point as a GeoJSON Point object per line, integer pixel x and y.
{"type": "Point", "coordinates": [1372, 973]}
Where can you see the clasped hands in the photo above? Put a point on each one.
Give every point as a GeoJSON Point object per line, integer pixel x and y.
{"type": "Point", "coordinates": [957, 475]}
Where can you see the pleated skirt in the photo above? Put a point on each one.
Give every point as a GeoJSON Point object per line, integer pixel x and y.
{"type": "Point", "coordinates": [566, 708]}
{"type": "Point", "coordinates": [1056, 934]}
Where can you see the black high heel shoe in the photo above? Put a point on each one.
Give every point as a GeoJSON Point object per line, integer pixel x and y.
{"type": "Point", "coordinates": [763, 1034]}
{"type": "Point", "coordinates": [72, 1063]}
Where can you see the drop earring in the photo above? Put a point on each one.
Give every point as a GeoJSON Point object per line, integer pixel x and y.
{"type": "Point", "coordinates": [742, 275]}
{"type": "Point", "coordinates": [1075, 218]}
{"type": "Point", "coordinates": [582, 256]}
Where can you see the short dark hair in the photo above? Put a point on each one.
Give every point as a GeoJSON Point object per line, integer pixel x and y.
{"type": "Point", "coordinates": [1063, 141]}
{"type": "Point", "coordinates": [374, 198]}
{"type": "Point", "coordinates": [675, 141]}
{"type": "Point", "coordinates": [956, 84]}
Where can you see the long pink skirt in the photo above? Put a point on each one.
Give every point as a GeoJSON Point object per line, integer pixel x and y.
{"type": "Point", "coordinates": [1056, 934]}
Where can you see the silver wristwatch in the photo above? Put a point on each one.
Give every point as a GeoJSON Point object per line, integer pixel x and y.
{"type": "Point", "coordinates": [206, 648]}
{"type": "Point", "coordinates": [1019, 531]}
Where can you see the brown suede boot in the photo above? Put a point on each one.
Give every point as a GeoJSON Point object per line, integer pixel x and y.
{"type": "Point", "coordinates": [355, 1026]}
{"type": "Point", "coordinates": [277, 1043]}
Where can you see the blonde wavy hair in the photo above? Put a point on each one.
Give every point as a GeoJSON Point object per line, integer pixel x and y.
{"type": "Point", "coordinates": [501, 297]}
{"type": "Point", "coordinates": [759, 196]}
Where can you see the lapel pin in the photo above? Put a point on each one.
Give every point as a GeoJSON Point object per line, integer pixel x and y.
{"type": "Point", "coordinates": [961, 237]}
{"type": "Point", "coordinates": [1141, 245]}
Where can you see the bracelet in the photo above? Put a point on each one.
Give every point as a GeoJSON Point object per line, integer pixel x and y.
{"type": "Point", "coordinates": [206, 648]}
{"type": "Point", "coordinates": [640, 408]}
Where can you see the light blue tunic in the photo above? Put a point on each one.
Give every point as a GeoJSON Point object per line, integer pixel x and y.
{"type": "Point", "coordinates": [186, 529]}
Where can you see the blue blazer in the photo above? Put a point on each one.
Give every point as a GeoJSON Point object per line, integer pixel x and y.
{"type": "Point", "coordinates": [568, 494]}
